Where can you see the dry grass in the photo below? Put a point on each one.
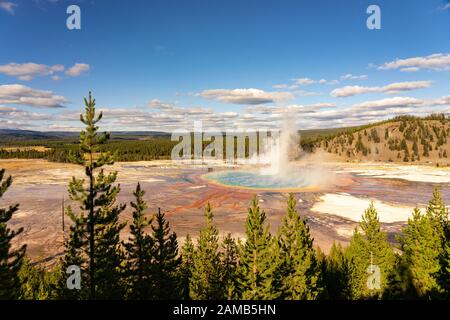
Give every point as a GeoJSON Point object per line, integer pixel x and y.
{"type": "Point", "coordinates": [27, 148]}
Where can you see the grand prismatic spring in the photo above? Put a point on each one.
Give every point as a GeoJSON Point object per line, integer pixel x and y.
{"type": "Point", "coordinates": [279, 171]}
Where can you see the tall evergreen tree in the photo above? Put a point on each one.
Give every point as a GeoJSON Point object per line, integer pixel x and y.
{"type": "Point", "coordinates": [301, 276]}
{"type": "Point", "coordinates": [94, 243]}
{"type": "Point", "coordinates": [139, 251]}
{"type": "Point", "coordinates": [206, 273]}
{"type": "Point", "coordinates": [230, 267]}
{"type": "Point", "coordinates": [419, 263]}
{"type": "Point", "coordinates": [444, 275]}
{"type": "Point", "coordinates": [37, 282]}
{"type": "Point", "coordinates": [369, 248]}
{"type": "Point", "coordinates": [437, 212]}
{"type": "Point", "coordinates": [165, 259]}
{"type": "Point", "coordinates": [336, 274]}
{"type": "Point", "coordinates": [184, 272]}
{"type": "Point", "coordinates": [257, 268]}
{"type": "Point", "coordinates": [10, 260]}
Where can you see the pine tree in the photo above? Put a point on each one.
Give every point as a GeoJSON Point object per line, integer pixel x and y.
{"type": "Point", "coordinates": [415, 148]}
{"type": "Point", "coordinates": [444, 275]}
{"type": "Point", "coordinates": [109, 254]}
{"type": "Point", "coordinates": [165, 260]}
{"type": "Point", "coordinates": [437, 212]}
{"type": "Point", "coordinates": [369, 248]}
{"type": "Point", "coordinates": [230, 267]}
{"type": "Point", "coordinates": [139, 250]}
{"type": "Point", "coordinates": [94, 243]}
{"type": "Point", "coordinates": [206, 273]}
{"type": "Point", "coordinates": [10, 260]}
{"type": "Point", "coordinates": [399, 282]}
{"type": "Point", "coordinates": [184, 273]}
{"type": "Point", "coordinates": [37, 283]}
{"type": "Point", "coordinates": [257, 272]}
{"type": "Point", "coordinates": [336, 274]}
{"type": "Point", "coordinates": [419, 262]}
{"type": "Point", "coordinates": [301, 271]}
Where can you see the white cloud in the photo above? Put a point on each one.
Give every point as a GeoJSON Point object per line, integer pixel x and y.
{"type": "Point", "coordinates": [445, 7]}
{"type": "Point", "coordinates": [298, 82]}
{"type": "Point", "coordinates": [286, 86]}
{"type": "Point", "coordinates": [437, 61]}
{"type": "Point", "coordinates": [167, 116]}
{"type": "Point", "coordinates": [280, 86]}
{"type": "Point", "coordinates": [304, 81]}
{"type": "Point", "coordinates": [25, 78]}
{"type": "Point", "coordinates": [349, 91]}
{"type": "Point", "coordinates": [65, 128]}
{"type": "Point", "coordinates": [229, 114]}
{"type": "Point", "coordinates": [319, 115]}
{"type": "Point", "coordinates": [308, 81]}
{"type": "Point", "coordinates": [304, 93]}
{"type": "Point", "coordinates": [396, 87]}
{"type": "Point", "coordinates": [350, 76]}
{"type": "Point", "coordinates": [26, 71]}
{"type": "Point", "coordinates": [322, 105]}
{"type": "Point", "coordinates": [389, 103]}
{"type": "Point", "coordinates": [325, 115]}
{"type": "Point", "coordinates": [410, 69]}
{"type": "Point", "coordinates": [20, 94]}
{"type": "Point", "coordinates": [8, 6]}
{"type": "Point", "coordinates": [11, 117]}
{"type": "Point", "coordinates": [294, 108]}
{"type": "Point", "coordinates": [77, 69]}
{"type": "Point", "coordinates": [443, 101]}
{"type": "Point", "coordinates": [245, 96]}
{"type": "Point", "coordinates": [405, 86]}
{"type": "Point", "coordinates": [157, 104]}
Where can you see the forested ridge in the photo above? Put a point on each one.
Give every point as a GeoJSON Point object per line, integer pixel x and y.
{"type": "Point", "coordinates": [150, 264]}
{"type": "Point", "coordinates": [401, 139]}
{"type": "Point", "coordinates": [127, 150]}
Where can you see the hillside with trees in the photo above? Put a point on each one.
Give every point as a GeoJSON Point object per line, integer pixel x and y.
{"type": "Point", "coordinates": [402, 139]}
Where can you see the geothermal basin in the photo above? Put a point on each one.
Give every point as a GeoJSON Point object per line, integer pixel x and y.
{"type": "Point", "coordinates": [332, 197]}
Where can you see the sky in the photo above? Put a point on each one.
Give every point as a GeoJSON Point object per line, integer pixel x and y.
{"type": "Point", "coordinates": [247, 64]}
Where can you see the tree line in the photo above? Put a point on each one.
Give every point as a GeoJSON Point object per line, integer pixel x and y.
{"type": "Point", "coordinates": [150, 264]}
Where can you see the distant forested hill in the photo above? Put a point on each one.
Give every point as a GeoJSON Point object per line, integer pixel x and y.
{"type": "Point", "coordinates": [56, 146]}
{"type": "Point", "coordinates": [402, 139]}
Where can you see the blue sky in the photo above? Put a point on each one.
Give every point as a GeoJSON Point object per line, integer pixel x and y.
{"type": "Point", "coordinates": [160, 65]}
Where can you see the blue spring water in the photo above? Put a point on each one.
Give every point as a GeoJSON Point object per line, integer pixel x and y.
{"type": "Point", "coordinates": [255, 180]}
